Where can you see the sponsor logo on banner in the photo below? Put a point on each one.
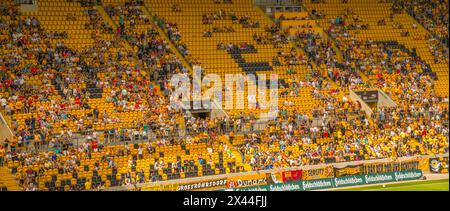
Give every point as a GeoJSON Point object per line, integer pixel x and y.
{"type": "Point", "coordinates": [290, 186]}
{"type": "Point", "coordinates": [377, 178]}
{"type": "Point", "coordinates": [247, 180]}
{"type": "Point", "coordinates": [320, 173]}
{"type": "Point", "coordinates": [407, 175]}
{"type": "Point", "coordinates": [258, 188]}
{"type": "Point", "coordinates": [348, 170]}
{"type": "Point", "coordinates": [349, 181]}
{"type": "Point", "coordinates": [317, 184]}
{"type": "Point", "coordinates": [204, 185]}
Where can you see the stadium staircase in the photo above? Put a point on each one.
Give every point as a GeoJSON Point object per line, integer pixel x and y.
{"type": "Point", "coordinates": [108, 20]}
{"type": "Point", "coordinates": [363, 76]}
{"type": "Point", "coordinates": [237, 155]}
{"type": "Point", "coordinates": [263, 14]}
{"type": "Point", "coordinates": [164, 35]}
{"type": "Point", "coordinates": [335, 48]}
{"type": "Point", "coordinates": [106, 17]}
{"type": "Point", "coordinates": [8, 180]}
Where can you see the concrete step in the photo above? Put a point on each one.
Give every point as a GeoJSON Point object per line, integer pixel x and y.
{"type": "Point", "coordinates": [7, 179]}
{"type": "Point", "coordinates": [108, 20]}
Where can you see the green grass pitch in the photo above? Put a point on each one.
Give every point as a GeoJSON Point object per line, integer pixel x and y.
{"type": "Point", "coordinates": [430, 185]}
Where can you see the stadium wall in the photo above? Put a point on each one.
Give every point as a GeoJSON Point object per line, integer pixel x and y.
{"type": "Point", "coordinates": [384, 100]}
{"type": "Point", "coordinates": [28, 6]}
{"type": "Point", "coordinates": [5, 131]}
{"type": "Point", "coordinates": [364, 106]}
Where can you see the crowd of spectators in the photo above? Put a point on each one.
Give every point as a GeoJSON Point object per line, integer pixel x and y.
{"type": "Point", "coordinates": [54, 84]}
{"type": "Point", "coordinates": [433, 15]}
{"type": "Point", "coordinates": [346, 133]}
{"type": "Point", "coordinates": [317, 48]}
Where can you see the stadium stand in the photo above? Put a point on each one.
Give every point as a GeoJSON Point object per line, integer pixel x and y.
{"type": "Point", "coordinates": [86, 87]}
{"type": "Point", "coordinates": [235, 38]}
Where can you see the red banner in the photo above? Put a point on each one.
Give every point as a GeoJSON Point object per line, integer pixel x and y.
{"type": "Point", "coordinates": [294, 175]}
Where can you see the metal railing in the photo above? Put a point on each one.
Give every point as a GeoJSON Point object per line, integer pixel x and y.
{"type": "Point", "coordinates": [25, 2]}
